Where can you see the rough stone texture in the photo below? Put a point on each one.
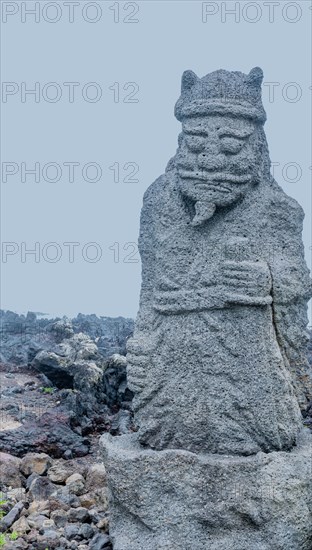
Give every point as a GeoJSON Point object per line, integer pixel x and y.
{"type": "Point", "coordinates": [174, 499]}
{"type": "Point", "coordinates": [21, 526]}
{"type": "Point", "coordinates": [75, 484]}
{"type": "Point", "coordinates": [224, 292]}
{"type": "Point", "coordinates": [74, 363]}
{"type": "Point", "coordinates": [62, 470]}
{"type": "Point", "coordinates": [72, 392]}
{"type": "Point", "coordinates": [217, 362]}
{"type": "Point", "coordinates": [9, 468]}
{"type": "Point", "coordinates": [11, 517]}
{"type": "Point", "coordinates": [51, 433]}
{"type": "Point", "coordinates": [96, 477]}
{"type": "Point", "coordinates": [37, 463]}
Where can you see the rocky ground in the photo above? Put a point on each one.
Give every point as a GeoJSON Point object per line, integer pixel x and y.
{"type": "Point", "coordinates": [23, 335]}
{"type": "Point", "coordinates": [54, 503]}
{"type": "Point", "coordinates": [54, 407]}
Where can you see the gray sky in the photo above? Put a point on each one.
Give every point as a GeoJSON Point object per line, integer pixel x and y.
{"type": "Point", "coordinates": [120, 131]}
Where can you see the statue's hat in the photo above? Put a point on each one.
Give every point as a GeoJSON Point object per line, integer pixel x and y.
{"type": "Point", "coordinates": [221, 92]}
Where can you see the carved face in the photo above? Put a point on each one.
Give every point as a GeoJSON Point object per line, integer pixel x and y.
{"type": "Point", "coordinates": [218, 158]}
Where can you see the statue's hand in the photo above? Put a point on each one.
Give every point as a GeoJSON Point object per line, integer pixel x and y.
{"type": "Point", "coordinates": [246, 282]}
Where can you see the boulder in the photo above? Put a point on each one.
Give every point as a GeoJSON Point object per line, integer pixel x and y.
{"type": "Point", "coordinates": [96, 477]}
{"type": "Point", "coordinates": [35, 463]}
{"type": "Point", "coordinates": [9, 471]}
{"type": "Point", "coordinates": [39, 507]}
{"type": "Point", "coordinates": [21, 526]}
{"type": "Point", "coordinates": [86, 532]}
{"type": "Point", "coordinates": [41, 488]}
{"type": "Point", "coordinates": [75, 484]}
{"type": "Point", "coordinates": [79, 515]}
{"type": "Point", "coordinates": [11, 517]}
{"type": "Point", "coordinates": [63, 469]}
{"type": "Point", "coordinates": [51, 434]}
{"type": "Point", "coordinates": [71, 531]}
{"type": "Point", "coordinates": [60, 517]}
{"type": "Point", "coordinates": [87, 500]}
{"type": "Point", "coordinates": [100, 541]}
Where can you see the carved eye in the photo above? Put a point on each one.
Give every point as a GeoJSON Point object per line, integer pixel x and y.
{"type": "Point", "coordinates": [196, 144]}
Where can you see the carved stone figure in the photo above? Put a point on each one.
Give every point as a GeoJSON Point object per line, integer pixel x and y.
{"type": "Point", "coordinates": [217, 362]}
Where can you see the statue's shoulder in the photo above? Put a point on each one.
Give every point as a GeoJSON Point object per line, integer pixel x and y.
{"type": "Point", "coordinates": [152, 200]}
{"type": "Point", "coordinates": [154, 191]}
{"type": "Point", "coordinates": [283, 209]}
{"type": "Point", "coordinates": [161, 193]}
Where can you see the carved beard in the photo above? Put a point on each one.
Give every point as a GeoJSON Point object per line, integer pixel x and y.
{"type": "Point", "coordinates": [207, 196]}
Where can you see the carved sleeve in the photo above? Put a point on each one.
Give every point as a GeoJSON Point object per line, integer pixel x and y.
{"type": "Point", "coordinates": [147, 254]}
{"type": "Point", "coordinates": [291, 289]}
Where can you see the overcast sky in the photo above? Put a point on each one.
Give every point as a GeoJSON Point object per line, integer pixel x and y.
{"type": "Point", "coordinates": [99, 128]}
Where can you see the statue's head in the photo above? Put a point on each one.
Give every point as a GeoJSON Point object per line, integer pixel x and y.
{"type": "Point", "coordinates": [222, 148]}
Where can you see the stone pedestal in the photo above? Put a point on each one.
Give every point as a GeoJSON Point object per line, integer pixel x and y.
{"type": "Point", "coordinates": [178, 500]}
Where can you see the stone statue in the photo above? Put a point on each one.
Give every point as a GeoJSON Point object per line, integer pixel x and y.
{"type": "Point", "coordinates": [217, 361]}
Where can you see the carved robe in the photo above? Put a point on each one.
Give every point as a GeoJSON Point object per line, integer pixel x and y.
{"type": "Point", "coordinates": [218, 377]}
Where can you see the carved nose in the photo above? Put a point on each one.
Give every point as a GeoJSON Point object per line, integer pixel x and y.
{"type": "Point", "coordinates": [210, 161]}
